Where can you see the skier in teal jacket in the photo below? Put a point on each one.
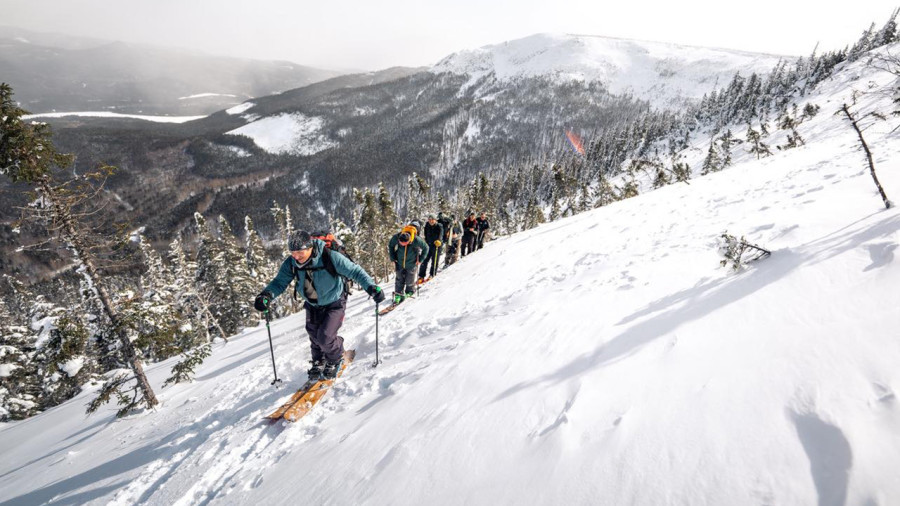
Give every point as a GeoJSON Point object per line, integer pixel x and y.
{"type": "Point", "coordinates": [319, 273]}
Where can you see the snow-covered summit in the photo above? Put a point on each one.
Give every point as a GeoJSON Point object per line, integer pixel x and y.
{"type": "Point", "coordinates": [659, 72]}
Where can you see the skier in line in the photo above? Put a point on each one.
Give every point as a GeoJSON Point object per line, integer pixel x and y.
{"type": "Point", "coordinates": [319, 282]}
{"type": "Point", "coordinates": [434, 235]}
{"type": "Point", "coordinates": [453, 237]}
{"type": "Point", "coordinates": [483, 226]}
{"type": "Point", "coordinates": [406, 249]}
{"type": "Point", "coordinates": [447, 223]}
{"type": "Point", "coordinates": [470, 231]}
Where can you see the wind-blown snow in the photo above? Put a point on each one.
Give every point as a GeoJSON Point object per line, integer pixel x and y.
{"type": "Point", "coordinates": [105, 114]}
{"type": "Point", "coordinates": [605, 358]}
{"type": "Point", "coordinates": [665, 74]}
{"type": "Point", "coordinates": [287, 133]}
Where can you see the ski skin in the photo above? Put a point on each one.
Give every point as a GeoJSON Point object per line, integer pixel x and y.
{"type": "Point", "coordinates": [308, 395]}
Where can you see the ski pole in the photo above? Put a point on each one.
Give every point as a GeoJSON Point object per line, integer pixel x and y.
{"type": "Point", "coordinates": [377, 317]}
{"type": "Point", "coordinates": [437, 254]}
{"type": "Point", "coordinates": [276, 381]}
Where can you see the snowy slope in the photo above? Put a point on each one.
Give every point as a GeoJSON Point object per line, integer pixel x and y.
{"type": "Point", "coordinates": [601, 359]}
{"type": "Point", "coordinates": [286, 133]}
{"type": "Point", "coordinates": [664, 74]}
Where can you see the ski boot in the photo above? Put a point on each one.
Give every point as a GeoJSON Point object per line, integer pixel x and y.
{"type": "Point", "coordinates": [331, 369]}
{"type": "Point", "coordinates": [315, 372]}
{"type": "Point", "coordinates": [398, 298]}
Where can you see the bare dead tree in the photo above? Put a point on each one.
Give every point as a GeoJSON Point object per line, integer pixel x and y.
{"type": "Point", "coordinates": [855, 121]}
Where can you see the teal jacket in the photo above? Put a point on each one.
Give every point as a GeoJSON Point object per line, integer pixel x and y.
{"type": "Point", "coordinates": [407, 256]}
{"type": "Point", "coordinates": [328, 287]}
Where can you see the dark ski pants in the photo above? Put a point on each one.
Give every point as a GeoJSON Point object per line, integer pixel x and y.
{"type": "Point", "coordinates": [429, 262]}
{"type": "Point", "coordinates": [322, 324]}
{"type": "Point", "coordinates": [405, 281]}
{"type": "Point", "coordinates": [479, 243]}
{"type": "Point", "coordinates": [468, 243]}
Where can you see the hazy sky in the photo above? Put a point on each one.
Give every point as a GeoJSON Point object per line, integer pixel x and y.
{"type": "Point", "coordinates": [374, 34]}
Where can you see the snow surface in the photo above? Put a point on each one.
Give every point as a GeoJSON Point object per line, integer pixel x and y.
{"type": "Point", "coordinates": [665, 74]}
{"type": "Point", "coordinates": [605, 358]}
{"type": "Point", "coordinates": [287, 133]}
{"type": "Point", "coordinates": [105, 114]}
{"type": "Point", "coordinates": [238, 109]}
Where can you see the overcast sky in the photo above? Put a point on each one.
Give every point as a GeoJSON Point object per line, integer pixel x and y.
{"type": "Point", "coordinates": [375, 34]}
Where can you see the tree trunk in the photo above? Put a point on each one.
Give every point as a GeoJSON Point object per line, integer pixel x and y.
{"type": "Point", "coordinates": [69, 230]}
{"type": "Point", "coordinates": [846, 111]}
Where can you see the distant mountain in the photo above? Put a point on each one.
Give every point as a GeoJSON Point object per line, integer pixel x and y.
{"type": "Point", "coordinates": [666, 75]}
{"type": "Point", "coordinates": [57, 73]}
{"type": "Point", "coordinates": [507, 105]}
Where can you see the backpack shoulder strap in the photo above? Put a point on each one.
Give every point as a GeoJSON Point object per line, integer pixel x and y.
{"type": "Point", "coordinates": [328, 263]}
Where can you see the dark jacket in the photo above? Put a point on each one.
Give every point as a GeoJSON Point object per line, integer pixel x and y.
{"type": "Point", "coordinates": [407, 256]}
{"type": "Point", "coordinates": [483, 225]}
{"type": "Point", "coordinates": [470, 226]}
{"type": "Point", "coordinates": [433, 233]}
{"type": "Point", "coordinates": [328, 288]}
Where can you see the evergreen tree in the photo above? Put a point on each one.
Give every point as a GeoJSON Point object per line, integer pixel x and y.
{"type": "Point", "coordinates": [19, 381]}
{"type": "Point", "coordinates": [788, 122]}
{"type": "Point", "coordinates": [63, 353]}
{"type": "Point", "coordinates": [757, 146]}
{"type": "Point", "coordinates": [387, 225]}
{"type": "Point", "coordinates": [681, 171]}
{"type": "Point", "coordinates": [662, 178]}
{"type": "Point", "coordinates": [213, 282]}
{"type": "Point", "coordinates": [370, 228]}
{"type": "Point", "coordinates": [259, 268]}
{"type": "Point", "coordinates": [629, 189]}
{"type": "Point", "coordinates": [154, 316]}
{"type": "Point", "coordinates": [193, 306]}
{"type": "Point", "coordinates": [606, 193]}
{"type": "Point", "coordinates": [585, 202]}
{"type": "Point", "coordinates": [418, 197]}
{"type": "Point", "coordinates": [534, 216]}
{"type": "Point", "coordinates": [278, 215]}
{"type": "Point", "coordinates": [711, 163]}
{"type": "Point", "coordinates": [726, 140]}
{"type": "Point", "coordinates": [29, 156]}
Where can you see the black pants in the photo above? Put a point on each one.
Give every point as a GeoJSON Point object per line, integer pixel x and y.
{"type": "Point", "coordinates": [322, 324]}
{"type": "Point", "coordinates": [430, 262]}
{"type": "Point", "coordinates": [405, 281]}
{"type": "Point", "coordinates": [468, 244]}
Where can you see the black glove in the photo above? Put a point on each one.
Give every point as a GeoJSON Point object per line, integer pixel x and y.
{"type": "Point", "coordinates": [377, 293]}
{"type": "Point", "coordinates": [263, 300]}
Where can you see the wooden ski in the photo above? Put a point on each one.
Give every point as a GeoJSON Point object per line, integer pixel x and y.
{"type": "Point", "coordinates": [311, 393]}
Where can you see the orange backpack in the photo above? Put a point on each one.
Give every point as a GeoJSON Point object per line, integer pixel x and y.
{"type": "Point", "coordinates": [411, 230]}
